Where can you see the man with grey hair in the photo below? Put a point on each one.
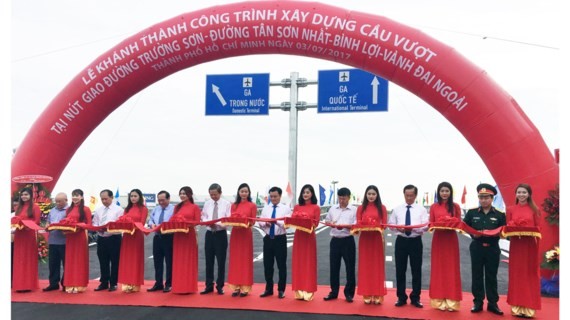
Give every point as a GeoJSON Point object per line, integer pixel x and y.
{"type": "Point", "coordinates": [56, 242]}
{"type": "Point", "coordinates": [216, 239]}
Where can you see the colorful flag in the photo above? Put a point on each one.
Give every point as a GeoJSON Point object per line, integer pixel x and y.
{"type": "Point", "coordinates": [289, 192]}
{"type": "Point", "coordinates": [464, 194]}
{"type": "Point", "coordinates": [92, 203]}
{"type": "Point", "coordinates": [322, 195]}
{"type": "Point", "coordinates": [498, 200]}
{"type": "Point", "coordinates": [266, 197]}
{"type": "Point", "coordinates": [331, 194]}
{"type": "Point", "coordinates": [117, 197]}
{"type": "Point", "coordinates": [257, 200]}
{"type": "Point", "coordinates": [435, 197]}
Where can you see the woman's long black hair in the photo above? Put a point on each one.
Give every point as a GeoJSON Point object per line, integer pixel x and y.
{"type": "Point", "coordinates": [189, 194]}
{"type": "Point", "coordinates": [139, 204]}
{"type": "Point", "coordinates": [301, 201]}
{"type": "Point", "coordinates": [238, 198]}
{"type": "Point", "coordinates": [21, 202]}
{"type": "Point", "coordinates": [450, 205]}
{"type": "Point", "coordinates": [377, 203]}
{"type": "Point", "coordinates": [81, 205]}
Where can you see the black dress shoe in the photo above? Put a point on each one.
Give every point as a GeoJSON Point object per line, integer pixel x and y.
{"type": "Point", "coordinates": [207, 290]}
{"type": "Point", "coordinates": [495, 309]}
{"type": "Point", "coordinates": [349, 299]}
{"type": "Point", "coordinates": [400, 303]}
{"type": "Point", "coordinates": [113, 288]}
{"type": "Point", "coordinates": [235, 293]}
{"type": "Point", "coordinates": [266, 294]}
{"type": "Point", "coordinates": [23, 291]}
{"type": "Point", "coordinates": [243, 294]}
{"type": "Point", "coordinates": [50, 288]}
{"type": "Point", "coordinates": [330, 297]}
{"type": "Point", "coordinates": [155, 288]}
{"type": "Point", "coordinates": [417, 304]}
{"type": "Point", "coordinates": [281, 294]}
{"type": "Point", "coordinates": [167, 289]}
{"type": "Point", "coordinates": [477, 308]}
{"type": "Point", "coordinates": [220, 291]}
{"type": "Point", "coordinates": [102, 287]}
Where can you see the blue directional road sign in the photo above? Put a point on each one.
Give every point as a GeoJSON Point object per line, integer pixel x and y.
{"type": "Point", "coordinates": [237, 94]}
{"type": "Point", "coordinates": [149, 197]}
{"type": "Point", "coordinates": [351, 90]}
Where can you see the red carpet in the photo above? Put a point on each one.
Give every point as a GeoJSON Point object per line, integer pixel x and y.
{"type": "Point", "coordinates": [550, 306]}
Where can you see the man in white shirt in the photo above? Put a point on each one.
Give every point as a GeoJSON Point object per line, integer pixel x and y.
{"type": "Point", "coordinates": [274, 242]}
{"type": "Point", "coordinates": [342, 246]}
{"type": "Point", "coordinates": [162, 243]}
{"type": "Point", "coordinates": [409, 244]}
{"type": "Point", "coordinates": [108, 244]}
{"type": "Point", "coordinates": [216, 239]}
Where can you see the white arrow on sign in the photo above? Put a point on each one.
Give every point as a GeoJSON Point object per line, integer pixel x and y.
{"type": "Point", "coordinates": [216, 90]}
{"type": "Point", "coordinates": [375, 84]}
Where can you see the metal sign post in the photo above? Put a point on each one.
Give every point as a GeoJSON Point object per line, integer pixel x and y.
{"type": "Point", "coordinates": [293, 106]}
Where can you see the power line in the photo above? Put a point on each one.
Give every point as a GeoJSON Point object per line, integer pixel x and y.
{"type": "Point", "coordinates": [484, 37]}
{"type": "Point", "coordinates": [68, 48]}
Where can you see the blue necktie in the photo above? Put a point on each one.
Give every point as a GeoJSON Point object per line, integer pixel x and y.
{"type": "Point", "coordinates": [272, 229]}
{"type": "Point", "coordinates": [408, 220]}
{"type": "Point", "coordinates": [161, 217]}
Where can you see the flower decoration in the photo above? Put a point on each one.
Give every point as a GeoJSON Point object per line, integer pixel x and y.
{"type": "Point", "coordinates": [15, 220]}
{"type": "Point", "coordinates": [177, 218]}
{"type": "Point", "coordinates": [238, 214]}
{"type": "Point", "coordinates": [551, 205]}
{"type": "Point", "coordinates": [124, 218]}
{"type": "Point", "coordinates": [42, 248]}
{"type": "Point", "coordinates": [551, 259]}
{"type": "Point", "coordinates": [45, 208]}
{"type": "Point", "coordinates": [68, 221]}
{"type": "Point", "coordinates": [518, 222]}
{"type": "Point", "coordinates": [300, 214]}
{"type": "Point", "coordinates": [41, 197]}
{"type": "Point", "coordinates": [369, 221]}
{"type": "Point", "coordinates": [447, 219]}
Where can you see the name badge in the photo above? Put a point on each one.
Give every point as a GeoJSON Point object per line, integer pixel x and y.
{"type": "Point", "coordinates": [494, 219]}
{"type": "Point", "coordinates": [476, 218]}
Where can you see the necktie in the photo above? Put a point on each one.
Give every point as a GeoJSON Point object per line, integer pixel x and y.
{"type": "Point", "coordinates": [161, 217]}
{"type": "Point", "coordinates": [215, 215]}
{"type": "Point", "coordinates": [408, 220]}
{"type": "Point", "coordinates": [272, 229]}
{"type": "Point", "coordinates": [104, 216]}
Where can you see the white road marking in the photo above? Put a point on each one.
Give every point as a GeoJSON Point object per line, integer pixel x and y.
{"type": "Point", "coordinates": [389, 258]}
{"type": "Point", "coordinates": [389, 284]}
{"type": "Point", "coordinates": [289, 240]}
{"type": "Point", "coordinates": [389, 244]}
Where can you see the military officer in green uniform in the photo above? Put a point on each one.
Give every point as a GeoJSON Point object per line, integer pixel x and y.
{"type": "Point", "coordinates": [485, 251]}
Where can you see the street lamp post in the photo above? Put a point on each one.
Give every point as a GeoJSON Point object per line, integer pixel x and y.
{"type": "Point", "coordinates": [334, 182]}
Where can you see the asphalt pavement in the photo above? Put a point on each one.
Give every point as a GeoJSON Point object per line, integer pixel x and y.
{"type": "Point", "coordinates": [28, 311]}
{"type": "Point", "coordinates": [323, 239]}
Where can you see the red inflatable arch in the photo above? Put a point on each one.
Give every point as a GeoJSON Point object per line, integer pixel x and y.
{"type": "Point", "coordinates": [435, 72]}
